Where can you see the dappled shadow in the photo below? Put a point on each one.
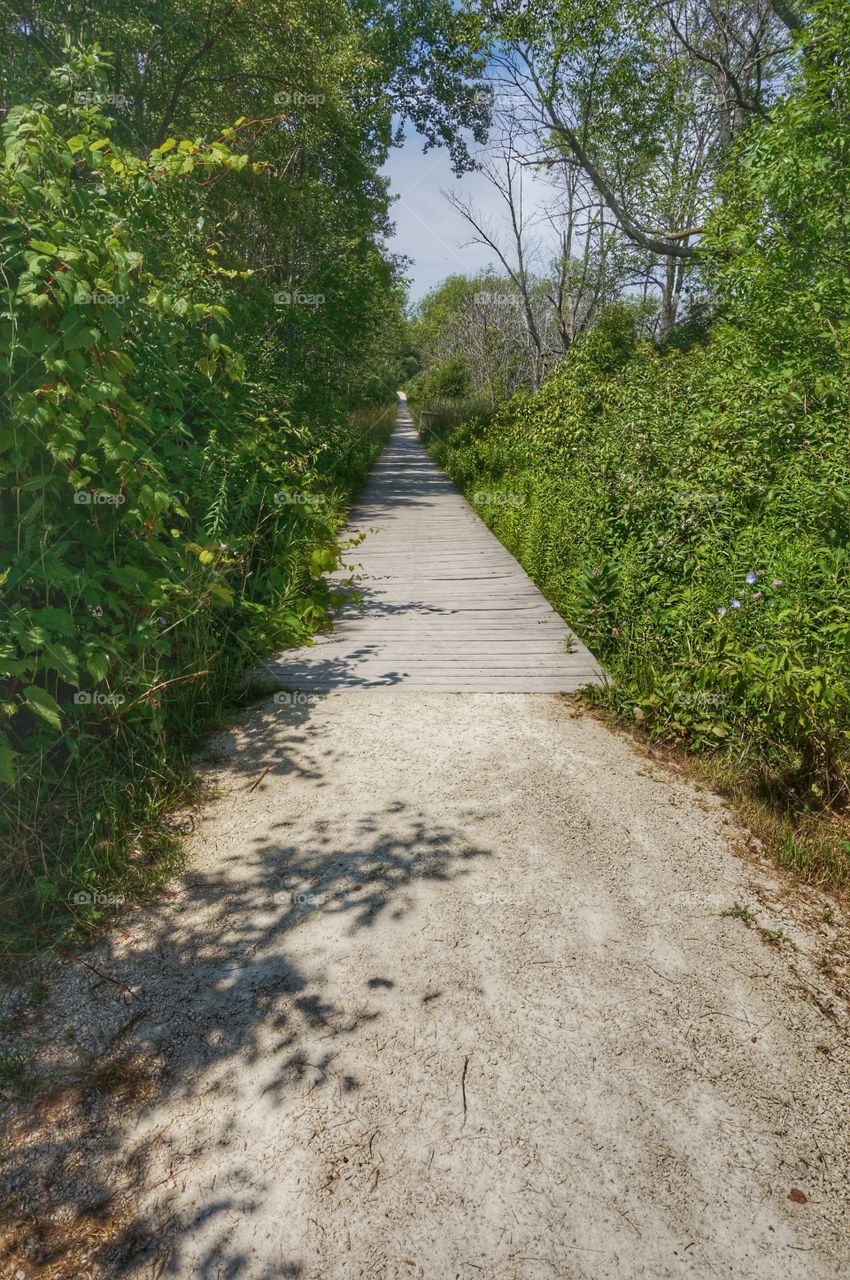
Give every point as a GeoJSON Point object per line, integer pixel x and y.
{"type": "Point", "coordinates": [201, 1009]}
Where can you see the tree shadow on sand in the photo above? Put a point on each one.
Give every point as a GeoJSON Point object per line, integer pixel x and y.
{"type": "Point", "coordinates": [184, 1001]}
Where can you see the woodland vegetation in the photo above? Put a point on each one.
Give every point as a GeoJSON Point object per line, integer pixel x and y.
{"type": "Point", "coordinates": [202, 331]}
{"type": "Point", "coordinates": [654, 417]}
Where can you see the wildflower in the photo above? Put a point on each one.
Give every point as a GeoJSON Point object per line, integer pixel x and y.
{"type": "Point", "coordinates": [722, 610]}
{"type": "Point", "coordinates": [777, 582]}
{"type": "Point", "coordinates": [734, 604]}
{"type": "Point", "coordinates": [750, 578]}
{"type": "Point", "coordinates": [757, 595]}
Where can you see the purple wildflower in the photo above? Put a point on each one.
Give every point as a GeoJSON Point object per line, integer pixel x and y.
{"type": "Point", "coordinates": [734, 604]}
{"type": "Point", "coordinates": [722, 610]}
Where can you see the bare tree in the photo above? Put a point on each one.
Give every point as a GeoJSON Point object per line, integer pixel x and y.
{"type": "Point", "coordinates": [593, 264]}
{"type": "Point", "coordinates": [648, 145]}
{"type": "Point", "coordinates": [743, 49]}
{"type": "Point", "coordinates": [504, 172]}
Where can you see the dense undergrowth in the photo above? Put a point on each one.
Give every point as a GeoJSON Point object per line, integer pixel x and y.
{"type": "Point", "coordinates": [171, 494]}
{"type": "Point", "coordinates": [687, 507]}
{"type": "Point", "coordinates": [702, 555]}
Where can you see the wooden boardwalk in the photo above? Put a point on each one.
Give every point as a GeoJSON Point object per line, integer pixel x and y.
{"type": "Point", "coordinates": [443, 606]}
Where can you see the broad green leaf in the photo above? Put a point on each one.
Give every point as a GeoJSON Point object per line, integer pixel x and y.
{"type": "Point", "coordinates": [44, 705]}
{"type": "Point", "coordinates": [7, 762]}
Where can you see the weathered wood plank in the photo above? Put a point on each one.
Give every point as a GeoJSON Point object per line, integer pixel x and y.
{"type": "Point", "coordinates": [443, 606]}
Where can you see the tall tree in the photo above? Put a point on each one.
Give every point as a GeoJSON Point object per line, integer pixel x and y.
{"type": "Point", "coordinates": [644, 101]}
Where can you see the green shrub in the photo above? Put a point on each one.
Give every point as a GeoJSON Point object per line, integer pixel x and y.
{"type": "Point", "coordinates": [688, 510]}
{"type": "Point", "coordinates": [691, 528]}
{"type": "Point", "coordinates": [165, 519]}
{"type": "Point", "coordinates": [448, 380]}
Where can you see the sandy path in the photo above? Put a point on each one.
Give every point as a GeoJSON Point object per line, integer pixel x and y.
{"type": "Point", "coordinates": [450, 988]}
{"type": "Point", "coordinates": [512, 1032]}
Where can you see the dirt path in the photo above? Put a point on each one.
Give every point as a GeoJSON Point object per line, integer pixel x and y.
{"type": "Point", "coordinates": [455, 986]}
{"type": "Point", "coordinates": [511, 1031]}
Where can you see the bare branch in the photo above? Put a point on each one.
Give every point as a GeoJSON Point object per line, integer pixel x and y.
{"type": "Point", "coordinates": [747, 104]}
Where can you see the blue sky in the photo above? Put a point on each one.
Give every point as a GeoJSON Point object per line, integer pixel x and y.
{"type": "Point", "coordinates": [429, 230]}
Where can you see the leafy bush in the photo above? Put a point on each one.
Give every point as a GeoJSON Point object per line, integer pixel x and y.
{"type": "Point", "coordinates": [448, 380]}
{"type": "Point", "coordinates": [165, 519]}
{"type": "Point", "coordinates": [692, 534]}
{"type": "Point", "coordinates": [688, 509]}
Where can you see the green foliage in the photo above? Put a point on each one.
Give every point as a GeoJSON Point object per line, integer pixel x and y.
{"type": "Point", "coordinates": [168, 511]}
{"type": "Point", "coordinates": [449, 380]}
{"type": "Point", "coordinates": [471, 339]}
{"type": "Point", "coordinates": [200, 331]}
{"type": "Point", "coordinates": [687, 509]}
{"type": "Point", "coordinates": [650, 494]}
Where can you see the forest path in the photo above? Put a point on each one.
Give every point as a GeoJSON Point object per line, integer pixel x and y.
{"type": "Point", "coordinates": [454, 986]}
{"type": "Point", "coordinates": [443, 606]}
